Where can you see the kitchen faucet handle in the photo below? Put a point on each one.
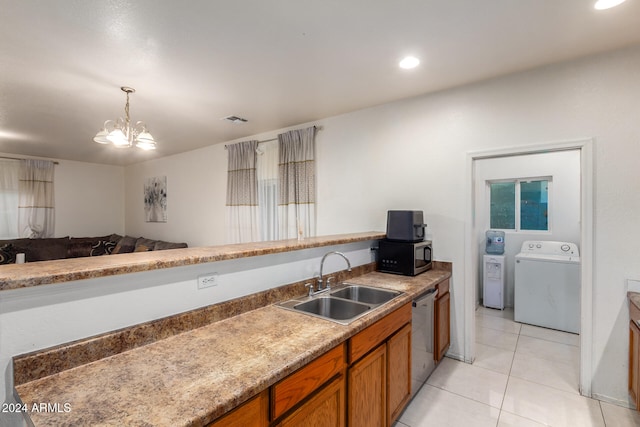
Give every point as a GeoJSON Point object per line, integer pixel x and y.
{"type": "Point", "coordinates": [310, 286]}
{"type": "Point", "coordinates": [328, 282]}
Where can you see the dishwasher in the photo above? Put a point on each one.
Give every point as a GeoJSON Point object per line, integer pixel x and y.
{"type": "Point", "coordinates": [422, 360]}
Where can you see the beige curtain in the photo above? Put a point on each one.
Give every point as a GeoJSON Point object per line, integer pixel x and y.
{"type": "Point", "coordinates": [242, 193]}
{"type": "Point", "coordinates": [297, 183]}
{"type": "Point", "coordinates": [36, 215]}
{"type": "Point", "coordinates": [9, 173]}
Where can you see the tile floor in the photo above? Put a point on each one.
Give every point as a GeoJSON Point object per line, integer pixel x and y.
{"type": "Point", "coordinates": [523, 376]}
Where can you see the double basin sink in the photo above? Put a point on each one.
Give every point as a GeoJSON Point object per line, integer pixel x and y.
{"type": "Point", "coordinates": [342, 305]}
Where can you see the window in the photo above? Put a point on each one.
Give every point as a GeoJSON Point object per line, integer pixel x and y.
{"type": "Point", "coordinates": [520, 205]}
{"type": "Point", "coordinates": [267, 175]}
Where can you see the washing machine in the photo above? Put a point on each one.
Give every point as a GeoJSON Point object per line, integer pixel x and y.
{"type": "Point", "coordinates": [547, 285]}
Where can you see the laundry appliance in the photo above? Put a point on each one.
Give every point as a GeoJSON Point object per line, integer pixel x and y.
{"type": "Point", "coordinates": [547, 285]}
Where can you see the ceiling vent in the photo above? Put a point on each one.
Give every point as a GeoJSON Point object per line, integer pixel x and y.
{"type": "Point", "coordinates": [235, 119]}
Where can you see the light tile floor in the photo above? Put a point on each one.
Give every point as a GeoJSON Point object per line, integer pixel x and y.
{"type": "Point", "coordinates": [523, 376]}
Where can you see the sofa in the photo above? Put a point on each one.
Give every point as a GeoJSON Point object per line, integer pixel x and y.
{"type": "Point", "coordinates": [75, 247]}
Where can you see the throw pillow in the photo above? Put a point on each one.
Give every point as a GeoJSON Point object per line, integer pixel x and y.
{"type": "Point", "coordinates": [103, 247]}
{"type": "Point", "coordinates": [7, 254]}
{"type": "Point", "coordinates": [160, 245]}
{"type": "Point", "coordinates": [125, 245]}
{"type": "Point", "coordinates": [144, 245]}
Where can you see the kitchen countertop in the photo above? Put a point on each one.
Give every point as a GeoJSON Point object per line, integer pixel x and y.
{"type": "Point", "coordinates": [634, 297]}
{"type": "Point", "coordinates": [194, 377]}
{"type": "Point", "coordinates": [634, 307]}
{"type": "Point", "coordinates": [16, 276]}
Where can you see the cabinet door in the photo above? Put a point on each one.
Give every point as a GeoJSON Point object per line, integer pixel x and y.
{"type": "Point", "coordinates": [634, 363]}
{"type": "Point", "coordinates": [367, 401]}
{"type": "Point", "coordinates": [442, 335]}
{"type": "Point", "coordinates": [398, 372]}
{"type": "Point", "coordinates": [302, 383]}
{"type": "Point", "coordinates": [325, 409]}
{"type": "Point", "coordinates": [254, 413]}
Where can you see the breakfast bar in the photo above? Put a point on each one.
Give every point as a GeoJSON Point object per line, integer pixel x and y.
{"type": "Point", "coordinates": [193, 367]}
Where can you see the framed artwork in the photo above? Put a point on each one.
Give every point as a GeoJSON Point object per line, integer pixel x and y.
{"type": "Point", "coordinates": [155, 199]}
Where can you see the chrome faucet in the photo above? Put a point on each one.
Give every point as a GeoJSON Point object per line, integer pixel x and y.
{"type": "Point", "coordinates": [320, 281]}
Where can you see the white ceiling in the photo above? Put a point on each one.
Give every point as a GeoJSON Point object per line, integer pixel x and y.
{"type": "Point", "coordinates": [277, 63]}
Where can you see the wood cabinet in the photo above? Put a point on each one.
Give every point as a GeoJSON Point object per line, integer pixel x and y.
{"type": "Point", "coordinates": [634, 354]}
{"type": "Point", "coordinates": [253, 413]}
{"type": "Point", "coordinates": [398, 372]}
{"type": "Point", "coordinates": [442, 327]}
{"type": "Point", "coordinates": [379, 375]}
{"type": "Point", "coordinates": [369, 338]}
{"type": "Point", "coordinates": [302, 383]}
{"type": "Point", "coordinates": [371, 390]}
{"type": "Point", "coordinates": [325, 409]}
{"type": "Point", "coordinates": [634, 363]}
{"type": "Point", "coordinates": [368, 390]}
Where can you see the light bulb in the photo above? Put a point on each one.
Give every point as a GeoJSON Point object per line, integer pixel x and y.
{"type": "Point", "coordinates": [409, 62]}
{"type": "Point", "coordinates": [607, 4]}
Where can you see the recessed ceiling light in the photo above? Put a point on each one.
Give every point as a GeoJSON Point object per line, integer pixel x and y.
{"type": "Point", "coordinates": [409, 62]}
{"type": "Point", "coordinates": [607, 4]}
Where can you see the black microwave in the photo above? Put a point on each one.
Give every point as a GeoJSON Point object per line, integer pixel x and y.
{"type": "Point", "coordinates": [406, 258]}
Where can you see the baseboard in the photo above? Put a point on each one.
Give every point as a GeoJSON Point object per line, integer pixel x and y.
{"type": "Point", "coordinates": [456, 356]}
{"type": "Point", "coordinates": [618, 402]}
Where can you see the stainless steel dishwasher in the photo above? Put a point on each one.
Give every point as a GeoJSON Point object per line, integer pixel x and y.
{"type": "Point", "coordinates": [422, 361]}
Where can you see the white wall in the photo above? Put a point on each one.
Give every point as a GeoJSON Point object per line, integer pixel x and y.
{"type": "Point", "coordinates": [563, 167]}
{"type": "Point", "coordinates": [411, 155]}
{"type": "Point", "coordinates": [89, 198]}
{"type": "Point", "coordinates": [196, 195]}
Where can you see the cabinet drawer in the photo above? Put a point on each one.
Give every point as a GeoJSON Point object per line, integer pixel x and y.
{"type": "Point", "coordinates": [297, 386]}
{"type": "Point", "coordinates": [442, 287]}
{"type": "Point", "coordinates": [368, 339]}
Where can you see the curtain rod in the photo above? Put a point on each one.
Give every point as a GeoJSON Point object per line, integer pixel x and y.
{"type": "Point", "coordinates": [18, 158]}
{"type": "Point", "coordinates": [275, 139]}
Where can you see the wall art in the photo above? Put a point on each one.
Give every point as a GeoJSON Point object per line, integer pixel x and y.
{"type": "Point", "coordinates": [155, 199]}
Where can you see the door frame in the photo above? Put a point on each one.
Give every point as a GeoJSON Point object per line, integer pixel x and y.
{"type": "Point", "coordinates": [587, 231]}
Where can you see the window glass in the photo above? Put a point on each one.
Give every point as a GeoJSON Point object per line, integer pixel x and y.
{"type": "Point", "coordinates": [534, 203]}
{"type": "Point", "coordinates": [503, 208]}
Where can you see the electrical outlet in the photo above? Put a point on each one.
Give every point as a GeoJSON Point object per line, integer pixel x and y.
{"type": "Point", "coordinates": [207, 280]}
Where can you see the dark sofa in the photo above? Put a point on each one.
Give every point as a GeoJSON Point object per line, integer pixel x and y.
{"type": "Point", "coordinates": [75, 247]}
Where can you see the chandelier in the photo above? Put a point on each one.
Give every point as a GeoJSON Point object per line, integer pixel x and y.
{"type": "Point", "coordinates": [120, 132]}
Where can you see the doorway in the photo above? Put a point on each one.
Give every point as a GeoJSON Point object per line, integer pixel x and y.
{"type": "Point", "coordinates": [476, 226]}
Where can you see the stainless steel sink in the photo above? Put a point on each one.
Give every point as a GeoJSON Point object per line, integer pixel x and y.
{"type": "Point", "coordinates": [333, 308]}
{"type": "Point", "coordinates": [343, 305]}
{"type": "Point", "coordinates": [365, 294]}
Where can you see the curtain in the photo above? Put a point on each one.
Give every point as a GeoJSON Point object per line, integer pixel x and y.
{"type": "Point", "coordinates": [36, 216]}
{"type": "Point", "coordinates": [9, 172]}
{"type": "Point", "coordinates": [242, 193]}
{"type": "Point", "coordinates": [267, 172]}
{"type": "Point", "coordinates": [297, 181]}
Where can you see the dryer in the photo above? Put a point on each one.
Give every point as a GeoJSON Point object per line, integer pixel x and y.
{"type": "Point", "coordinates": [547, 285]}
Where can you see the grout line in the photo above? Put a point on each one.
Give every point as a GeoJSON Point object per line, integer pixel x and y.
{"type": "Point", "coordinates": [604, 420]}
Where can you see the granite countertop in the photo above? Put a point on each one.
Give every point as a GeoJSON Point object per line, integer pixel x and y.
{"type": "Point", "coordinates": [634, 297]}
{"type": "Point", "coordinates": [634, 312]}
{"type": "Point", "coordinates": [194, 377]}
{"type": "Point", "coordinates": [16, 276]}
